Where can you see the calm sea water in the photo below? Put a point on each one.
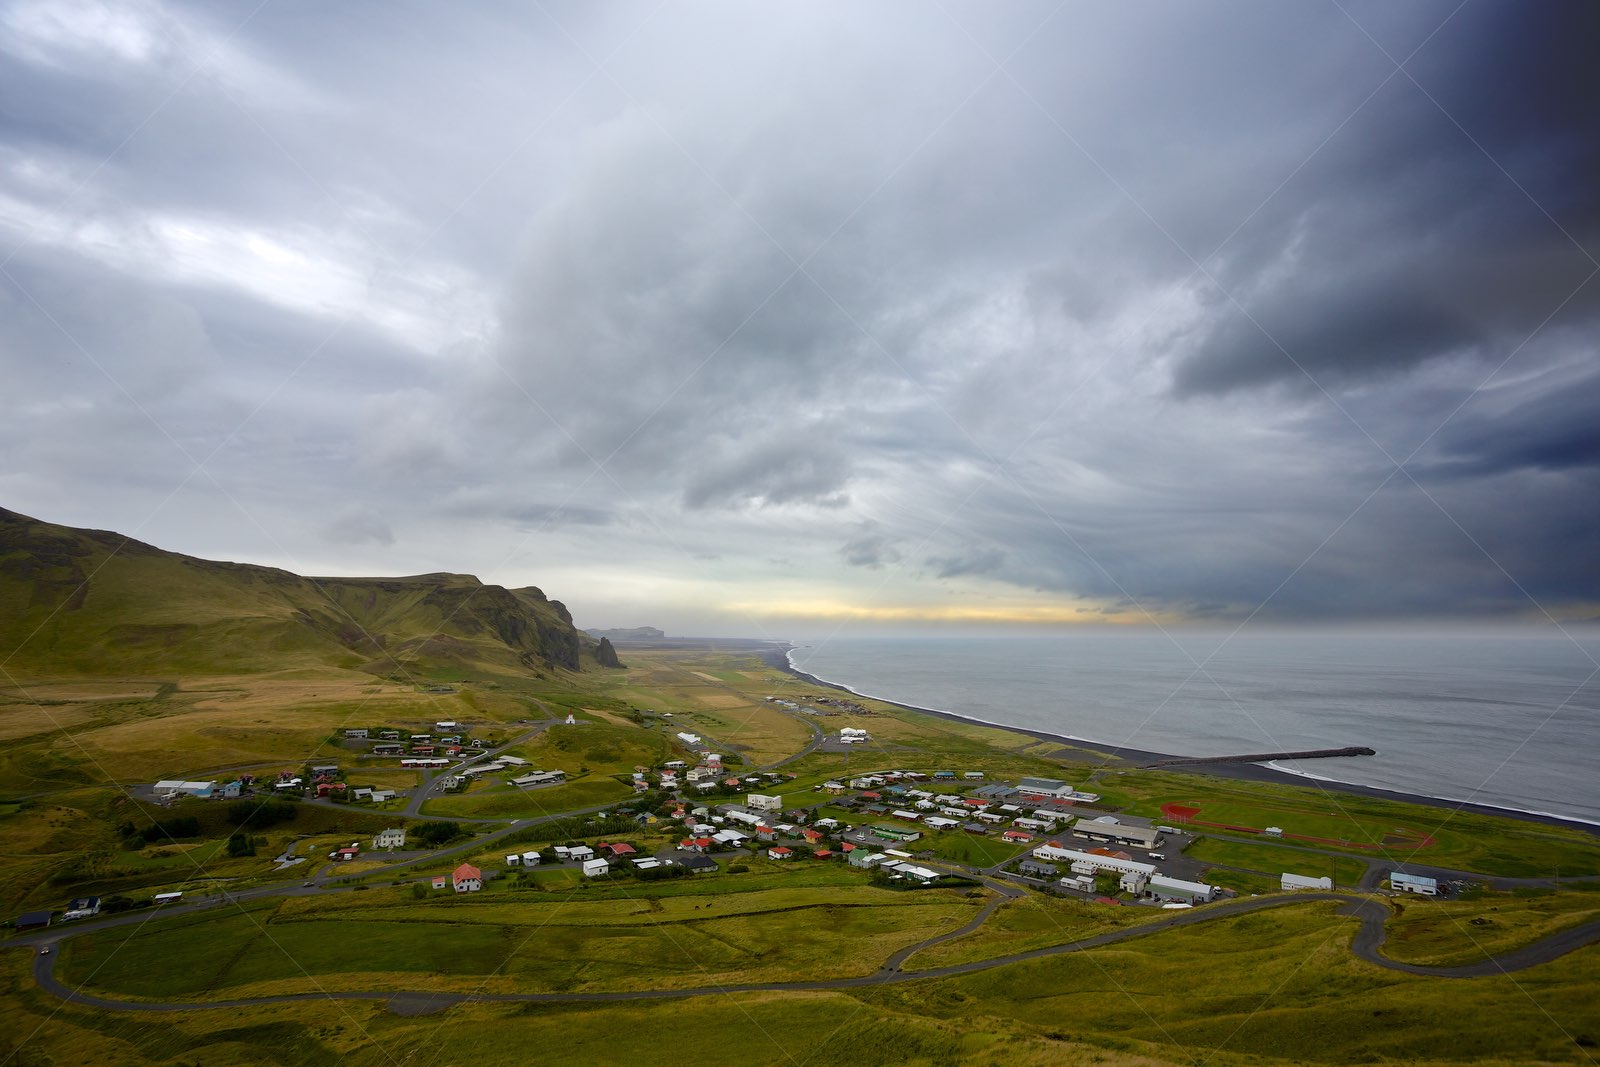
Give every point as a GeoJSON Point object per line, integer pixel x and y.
{"type": "Point", "coordinates": [1512, 721]}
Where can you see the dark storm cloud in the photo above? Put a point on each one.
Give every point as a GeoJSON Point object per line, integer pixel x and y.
{"type": "Point", "coordinates": [1453, 215]}
{"type": "Point", "coordinates": [1554, 430]}
{"type": "Point", "coordinates": [776, 295]}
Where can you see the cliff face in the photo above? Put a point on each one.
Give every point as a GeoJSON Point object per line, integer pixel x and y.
{"type": "Point", "coordinates": [606, 655]}
{"type": "Point", "coordinates": [96, 602]}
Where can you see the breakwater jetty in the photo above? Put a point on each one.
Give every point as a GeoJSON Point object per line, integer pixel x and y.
{"type": "Point", "coordinates": [1264, 757]}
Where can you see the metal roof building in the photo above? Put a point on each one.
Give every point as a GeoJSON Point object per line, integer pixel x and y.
{"type": "Point", "coordinates": [1300, 881]}
{"type": "Point", "coordinates": [1413, 883]}
{"type": "Point", "coordinates": [1177, 889]}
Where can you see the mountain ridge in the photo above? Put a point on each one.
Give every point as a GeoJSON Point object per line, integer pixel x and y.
{"type": "Point", "coordinates": [95, 601]}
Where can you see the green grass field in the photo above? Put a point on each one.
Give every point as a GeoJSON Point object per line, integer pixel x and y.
{"type": "Point", "coordinates": [973, 849]}
{"type": "Point", "coordinates": [533, 944]}
{"type": "Point", "coordinates": [1464, 841]}
{"type": "Point", "coordinates": [1448, 932]}
{"type": "Point", "coordinates": [1033, 921]}
{"type": "Point", "coordinates": [1272, 861]}
{"type": "Point", "coordinates": [1279, 985]}
{"type": "Point", "coordinates": [509, 802]}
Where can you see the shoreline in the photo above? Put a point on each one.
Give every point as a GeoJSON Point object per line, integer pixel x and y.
{"type": "Point", "coordinates": [776, 655]}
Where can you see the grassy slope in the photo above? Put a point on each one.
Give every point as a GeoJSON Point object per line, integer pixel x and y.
{"type": "Point", "coordinates": [88, 602]}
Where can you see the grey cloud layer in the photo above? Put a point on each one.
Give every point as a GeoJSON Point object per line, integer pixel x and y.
{"type": "Point", "coordinates": [1138, 321]}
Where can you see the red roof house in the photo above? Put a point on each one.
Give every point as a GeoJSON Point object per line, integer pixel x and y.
{"type": "Point", "coordinates": [466, 878]}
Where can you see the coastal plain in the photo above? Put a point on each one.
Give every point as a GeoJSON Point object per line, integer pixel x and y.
{"type": "Point", "coordinates": [272, 927]}
{"type": "Point", "coordinates": [1278, 986]}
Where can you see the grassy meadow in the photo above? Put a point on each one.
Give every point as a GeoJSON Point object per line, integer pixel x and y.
{"type": "Point", "coordinates": [1443, 933]}
{"type": "Point", "coordinates": [1272, 861]}
{"type": "Point", "coordinates": [514, 941]}
{"type": "Point", "coordinates": [1275, 987]}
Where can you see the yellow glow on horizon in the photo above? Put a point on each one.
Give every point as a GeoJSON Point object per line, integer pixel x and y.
{"type": "Point", "coordinates": [1014, 613]}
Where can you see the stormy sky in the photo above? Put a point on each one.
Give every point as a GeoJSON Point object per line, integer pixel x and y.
{"type": "Point", "coordinates": [752, 319]}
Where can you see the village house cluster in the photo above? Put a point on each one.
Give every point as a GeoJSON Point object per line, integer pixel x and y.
{"type": "Point", "coordinates": [1052, 835]}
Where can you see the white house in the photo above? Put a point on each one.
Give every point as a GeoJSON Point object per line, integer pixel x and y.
{"type": "Point", "coordinates": [395, 838]}
{"type": "Point", "coordinates": [595, 868]}
{"type": "Point", "coordinates": [911, 871]}
{"type": "Point", "coordinates": [530, 859]}
{"type": "Point", "coordinates": [82, 908]}
{"type": "Point", "coordinates": [762, 802]}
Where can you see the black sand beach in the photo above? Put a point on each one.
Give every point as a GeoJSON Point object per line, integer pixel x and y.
{"type": "Point", "coordinates": [776, 655]}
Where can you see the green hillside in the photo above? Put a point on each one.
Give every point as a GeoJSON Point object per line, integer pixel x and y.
{"type": "Point", "coordinates": [97, 603]}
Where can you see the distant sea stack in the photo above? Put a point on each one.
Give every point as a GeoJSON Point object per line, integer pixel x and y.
{"type": "Point", "coordinates": [635, 633]}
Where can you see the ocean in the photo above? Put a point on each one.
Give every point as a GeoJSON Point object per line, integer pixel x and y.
{"type": "Point", "coordinates": [1511, 721]}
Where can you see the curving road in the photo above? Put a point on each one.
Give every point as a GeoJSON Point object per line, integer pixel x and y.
{"type": "Point", "coordinates": [1366, 945]}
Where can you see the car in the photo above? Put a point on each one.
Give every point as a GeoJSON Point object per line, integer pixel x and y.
{"type": "Point", "coordinates": [45, 951]}
{"type": "Point", "coordinates": [307, 885]}
{"type": "Point", "coordinates": [1158, 855]}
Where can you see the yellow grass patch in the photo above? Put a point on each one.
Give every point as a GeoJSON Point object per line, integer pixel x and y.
{"type": "Point", "coordinates": [252, 692]}
{"type": "Point", "coordinates": [383, 778]}
{"type": "Point", "coordinates": [721, 698]}
{"type": "Point", "coordinates": [81, 690]}
{"type": "Point", "coordinates": [47, 829]}
{"type": "Point", "coordinates": [23, 720]}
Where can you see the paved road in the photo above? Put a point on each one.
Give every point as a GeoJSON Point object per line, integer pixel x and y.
{"type": "Point", "coordinates": [1366, 945]}
{"type": "Point", "coordinates": [817, 737]}
{"type": "Point", "coordinates": [419, 795]}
